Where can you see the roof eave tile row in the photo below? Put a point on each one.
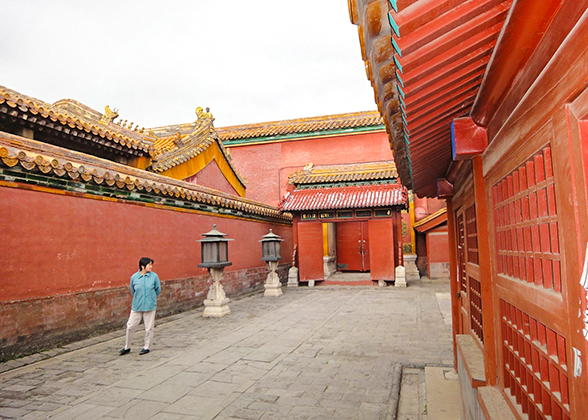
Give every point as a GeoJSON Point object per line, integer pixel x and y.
{"type": "Point", "coordinates": [371, 171]}
{"type": "Point", "coordinates": [301, 125]}
{"type": "Point", "coordinates": [194, 143]}
{"type": "Point", "coordinates": [32, 156]}
{"type": "Point", "coordinates": [366, 196]}
{"type": "Point", "coordinates": [25, 104]}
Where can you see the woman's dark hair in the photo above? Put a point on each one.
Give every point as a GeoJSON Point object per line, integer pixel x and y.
{"type": "Point", "coordinates": [144, 261]}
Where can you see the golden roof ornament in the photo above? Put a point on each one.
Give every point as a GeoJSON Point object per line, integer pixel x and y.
{"type": "Point", "coordinates": [109, 115]}
{"type": "Point", "coordinates": [203, 115]}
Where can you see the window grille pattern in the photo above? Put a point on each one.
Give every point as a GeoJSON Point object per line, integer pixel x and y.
{"type": "Point", "coordinates": [472, 231]}
{"type": "Point", "coordinates": [526, 223]}
{"type": "Point", "coordinates": [476, 308]}
{"type": "Point", "coordinates": [463, 286]}
{"type": "Point", "coordinates": [535, 366]}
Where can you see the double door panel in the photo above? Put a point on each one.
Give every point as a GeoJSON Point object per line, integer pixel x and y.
{"type": "Point", "coordinates": [353, 246]}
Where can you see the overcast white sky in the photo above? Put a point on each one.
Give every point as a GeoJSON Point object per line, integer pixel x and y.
{"type": "Point", "coordinates": [156, 61]}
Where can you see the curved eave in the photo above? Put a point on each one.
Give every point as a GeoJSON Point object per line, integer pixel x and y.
{"type": "Point", "coordinates": [439, 51]}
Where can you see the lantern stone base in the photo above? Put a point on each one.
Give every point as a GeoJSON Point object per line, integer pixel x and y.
{"type": "Point", "coordinates": [216, 308]}
{"type": "Point", "coordinates": [273, 287]}
{"type": "Point", "coordinates": [217, 303]}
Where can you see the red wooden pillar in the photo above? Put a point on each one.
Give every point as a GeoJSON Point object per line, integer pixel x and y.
{"type": "Point", "coordinates": [487, 289]}
{"type": "Point", "coordinates": [455, 304]}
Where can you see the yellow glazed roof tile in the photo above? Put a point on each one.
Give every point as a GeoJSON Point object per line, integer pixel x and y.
{"type": "Point", "coordinates": [72, 114]}
{"type": "Point", "coordinates": [370, 171]}
{"type": "Point", "coordinates": [35, 156]}
{"type": "Point", "coordinates": [301, 125]}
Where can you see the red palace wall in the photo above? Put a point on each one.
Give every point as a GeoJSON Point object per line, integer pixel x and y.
{"type": "Point", "coordinates": [68, 260]}
{"type": "Point", "coordinates": [212, 177]}
{"type": "Point", "coordinates": [266, 166]}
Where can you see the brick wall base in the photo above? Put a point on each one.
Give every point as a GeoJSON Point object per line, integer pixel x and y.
{"type": "Point", "coordinates": [32, 325]}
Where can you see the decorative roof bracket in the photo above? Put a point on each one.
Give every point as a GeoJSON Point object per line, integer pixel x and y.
{"type": "Point", "coordinates": [444, 188]}
{"type": "Point", "coordinates": [467, 138]}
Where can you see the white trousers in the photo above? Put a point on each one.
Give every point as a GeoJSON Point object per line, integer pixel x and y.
{"type": "Point", "coordinates": [133, 322]}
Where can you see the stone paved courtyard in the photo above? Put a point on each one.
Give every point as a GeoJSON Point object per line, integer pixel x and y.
{"type": "Point", "coordinates": [314, 353]}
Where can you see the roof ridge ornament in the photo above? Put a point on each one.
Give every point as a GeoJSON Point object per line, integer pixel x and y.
{"type": "Point", "coordinates": [108, 116]}
{"type": "Point", "coordinates": [202, 115]}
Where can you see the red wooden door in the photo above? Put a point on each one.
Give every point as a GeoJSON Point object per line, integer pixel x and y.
{"type": "Point", "coordinates": [353, 246]}
{"type": "Point", "coordinates": [310, 251]}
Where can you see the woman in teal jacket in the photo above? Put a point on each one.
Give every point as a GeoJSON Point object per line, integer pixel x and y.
{"type": "Point", "coordinates": [145, 287]}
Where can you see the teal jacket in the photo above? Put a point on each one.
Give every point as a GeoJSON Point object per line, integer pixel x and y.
{"type": "Point", "coordinates": [145, 290]}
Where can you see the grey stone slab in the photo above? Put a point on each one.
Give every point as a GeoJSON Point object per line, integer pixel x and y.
{"type": "Point", "coordinates": [213, 389]}
{"type": "Point", "coordinates": [41, 406]}
{"type": "Point", "coordinates": [330, 348]}
{"type": "Point", "coordinates": [141, 382]}
{"type": "Point", "coordinates": [137, 410]}
{"type": "Point", "coordinates": [191, 379]}
{"type": "Point", "coordinates": [18, 388]}
{"type": "Point", "coordinates": [12, 413]}
{"type": "Point", "coordinates": [262, 356]}
{"type": "Point", "coordinates": [172, 416]}
{"type": "Point", "coordinates": [167, 392]}
{"type": "Point", "coordinates": [113, 397]}
{"type": "Point", "coordinates": [81, 411]}
{"type": "Point", "coordinates": [194, 405]}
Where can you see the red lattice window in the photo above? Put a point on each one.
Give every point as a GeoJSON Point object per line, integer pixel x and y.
{"type": "Point", "coordinates": [472, 230]}
{"type": "Point", "coordinates": [476, 308]}
{"type": "Point", "coordinates": [535, 366]}
{"type": "Point", "coordinates": [461, 262]}
{"type": "Point", "coordinates": [526, 223]}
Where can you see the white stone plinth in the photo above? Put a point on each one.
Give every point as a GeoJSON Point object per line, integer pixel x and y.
{"type": "Point", "coordinates": [412, 271]}
{"type": "Point", "coordinates": [273, 287]}
{"type": "Point", "coordinates": [217, 303]}
{"type": "Point", "coordinates": [400, 276]}
{"type": "Point", "coordinates": [216, 308]}
{"type": "Point", "coordinates": [381, 283]}
{"type": "Point", "coordinates": [293, 277]}
{"type": "Point", "coordinates": [310, 283]}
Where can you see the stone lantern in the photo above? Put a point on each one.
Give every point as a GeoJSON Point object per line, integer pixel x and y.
{"type": "Point", "coordinates": [215, 257]}
{"type": "Point", "coordinates": [270, 247]}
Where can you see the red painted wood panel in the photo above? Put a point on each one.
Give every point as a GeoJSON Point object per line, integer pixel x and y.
{"type": "Point", "coordinates": [310, 251]}
{"type": "Point", "coordinates": [381, 241]}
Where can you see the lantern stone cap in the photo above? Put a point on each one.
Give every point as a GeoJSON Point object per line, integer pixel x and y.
{"type": "Point", "coordinates": [271, 236]}
{"type": "Point", "coordinates": [214, 235]}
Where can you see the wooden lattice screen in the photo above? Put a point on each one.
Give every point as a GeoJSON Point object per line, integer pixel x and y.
{"type": "Point", "coordinates": [535, 368]}
{"type": "Point", "coordinates": [526, 223]}
{"type": "Point", "coordinates": [474, 286]}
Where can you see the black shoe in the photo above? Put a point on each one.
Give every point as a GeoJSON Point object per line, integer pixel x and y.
{"type": "Point", "coordinates": [124, 351]}
{"type": "Point", "coordinates": [142, 352]}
